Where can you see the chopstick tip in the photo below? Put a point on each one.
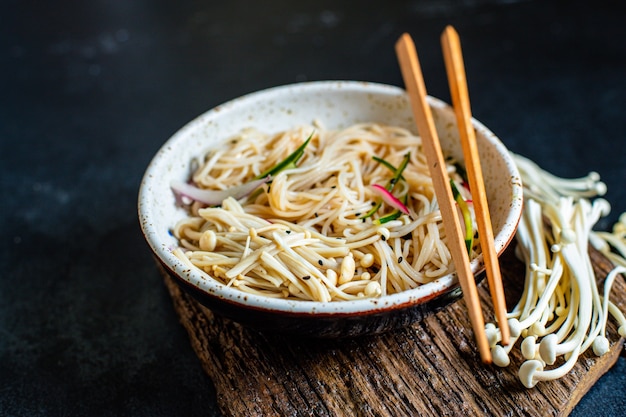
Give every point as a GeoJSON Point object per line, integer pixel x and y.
{"type": "Point", "coordinates": [404, 39]}
{"type": "Point", "coordinates": [450, 32]}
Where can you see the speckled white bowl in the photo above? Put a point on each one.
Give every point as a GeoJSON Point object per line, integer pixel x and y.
{"type": "Point", "coordinates": [338, 104]}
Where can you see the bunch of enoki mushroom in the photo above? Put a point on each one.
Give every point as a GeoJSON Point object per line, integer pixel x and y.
{"type": "Point", "coordinates": [561, 312]}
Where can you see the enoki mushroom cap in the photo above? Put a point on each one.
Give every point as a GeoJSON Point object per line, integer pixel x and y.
{"type": "Point", "coordinates": [515, 329]}
{"type": "Point", "coordinates": [527, 372]}
{"type": "Point", "coordinates": [600, 188]}
{"type": "Point", "coordinates": [492, 333]}
{"type": "Point", "coordinates": [603, 205]}
{"type": "Point", "coordinates": [529, 347]}
{"type": "Point", "coordinates": [500, 356]}
{"type": "Point", "coordinates": [600, 345]}
{"type": "Point", "coordinates": [547, 348]}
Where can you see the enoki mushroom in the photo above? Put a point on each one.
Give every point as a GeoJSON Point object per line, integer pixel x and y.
{"type": "Point", "coordinates": [561, 312]}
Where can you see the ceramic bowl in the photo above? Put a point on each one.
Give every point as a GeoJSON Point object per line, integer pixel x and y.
{"type": "Point", "coordinates": [338, 104]}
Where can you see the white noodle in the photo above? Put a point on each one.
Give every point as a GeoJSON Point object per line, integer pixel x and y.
{"type": "Point", "coordinates": [292, 237]}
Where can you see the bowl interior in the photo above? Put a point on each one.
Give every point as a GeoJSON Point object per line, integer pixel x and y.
{"type": "Point", "coordinates": [337, 104]}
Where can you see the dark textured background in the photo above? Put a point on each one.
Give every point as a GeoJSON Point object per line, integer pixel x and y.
{"type": "Point", "coordinates": [89, 90]}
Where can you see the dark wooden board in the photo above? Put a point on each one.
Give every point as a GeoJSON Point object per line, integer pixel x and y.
{"type": "Point", "coordinates": [430, 368]}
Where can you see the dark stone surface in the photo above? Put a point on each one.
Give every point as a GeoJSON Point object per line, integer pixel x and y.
{"type": "Point", "coordinates": [90, 90]}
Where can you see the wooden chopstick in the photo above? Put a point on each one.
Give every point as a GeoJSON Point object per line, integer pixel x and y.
{"type": "Point", "coordinates": [457, 80]}
{"type": "Point", "coordinates": [414, 84]}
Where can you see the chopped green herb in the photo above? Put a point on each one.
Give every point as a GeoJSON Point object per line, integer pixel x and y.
{"type": "Point", "coordinates": [467, 218]}
{"type": "Point", "coordinates": [397, 174]}
{"type": "Point", "coordinates": [399, 171]}
{"type": "Point", "coordinates": [385, 163]}
{"type": "Point", "coordinates": [392, 216]}
{"type": "Point", "coordinates": [388, 218]}
{"type": "Point", "coordinates": [289, 162]}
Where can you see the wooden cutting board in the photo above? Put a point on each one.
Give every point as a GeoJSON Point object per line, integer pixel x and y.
{"type": "Point", "coordinates": [429, 369]}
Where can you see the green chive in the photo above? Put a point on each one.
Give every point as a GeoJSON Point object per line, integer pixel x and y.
{"type": "Point", "coordinates": [467, 218]}
{"type": "Point", "coordinates": [386, 164]}
{"type": "Point", "coordinates": [388, 218]}
{"type": "Point", "coordinates": [392, 216]}
{"type": "Point", "coordinates": [397, 174]}
{"type": "Point", "coordinates": [399, 171]}
{"type": "Point", "coordinates": [288, 162]}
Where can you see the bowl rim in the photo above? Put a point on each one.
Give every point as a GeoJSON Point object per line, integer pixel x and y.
{"type": "Point", "coordinates": [213, 288]}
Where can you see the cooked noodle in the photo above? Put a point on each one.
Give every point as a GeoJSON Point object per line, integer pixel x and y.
{"type": "Point", "coordinates": [304, 235]}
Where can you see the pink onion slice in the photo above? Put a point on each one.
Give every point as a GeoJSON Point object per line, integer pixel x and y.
{"type": "Point", "coordinates": [215, 197]}
{"type": "Point", "coordinates": [390, 198]}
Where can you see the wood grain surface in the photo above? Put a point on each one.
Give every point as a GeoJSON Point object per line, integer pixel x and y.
{"type": "Point", "coordinates": [429, 369]}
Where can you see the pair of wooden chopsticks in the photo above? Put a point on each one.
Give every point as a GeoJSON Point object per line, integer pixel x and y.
{"type": "Point", "coordinates": [414, 83]}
